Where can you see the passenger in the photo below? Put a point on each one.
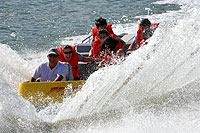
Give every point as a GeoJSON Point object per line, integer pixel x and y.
{"type": "Point", "coordinates": [111, 46]}
{"type": "Point", "coordinates": [53, 70]}
{"type": "Point", "coordinates": [145, 31]}
{"type": "Point", "coordinates": [101, 36]}
{"type": "Point", "coordinates": [100, 23]}
{"type": "Point", "coordinates": [69, 54]}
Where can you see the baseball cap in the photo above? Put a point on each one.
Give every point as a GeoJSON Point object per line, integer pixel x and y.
{"type": "Point", "coordinates": [52, 51]}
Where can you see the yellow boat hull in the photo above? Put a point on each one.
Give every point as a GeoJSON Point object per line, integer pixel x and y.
{"type": "Point", "coordinates": [48, 92]}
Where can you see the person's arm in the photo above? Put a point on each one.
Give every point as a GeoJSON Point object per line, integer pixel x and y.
{"type": "Point", "coordinates": [88, 59]}
{"type": "Point", "coordinates": [132, 46]}
{"type": "Point", "coordinates": [121, 50]}
{"type": "Point", "coordinates": [137, 39]}
{"type": "Point", "coordinates": [36, 74]}
{"type": "Point", "coordinates": [59, 78]}
{"type": "Point", "coordinates": [123, 43]}
{"type": "Point", "coordinates": [90, 52]}
{"type": "Point", "coordinates": [32, 79]}
{"type": "Point", "coordinates": [85, 59]}
{"type": "Point", "coordinates": [101, 64]}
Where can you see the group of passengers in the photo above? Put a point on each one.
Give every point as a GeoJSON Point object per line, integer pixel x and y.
{"type": "Point", "coordinates": [63, 61]}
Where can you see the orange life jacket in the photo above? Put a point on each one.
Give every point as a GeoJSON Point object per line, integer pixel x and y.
{"type": "Point", "coordinates": [118, 46]}
{"type": "Point", "coordinates": [96, 46]}
{"type": "Point", "coordinates": [73, 62]}
{"type": "Point", "coordinates": [139, 33]}
{"type": "Point", "coordinates": [109, 29]}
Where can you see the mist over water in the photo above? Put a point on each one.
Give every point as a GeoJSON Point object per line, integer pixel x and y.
{"type": "Point", "coordinates": [156, 89]}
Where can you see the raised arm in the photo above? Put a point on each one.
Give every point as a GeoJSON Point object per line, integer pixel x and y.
{"type": "Point", "coordinates": [132, 46]}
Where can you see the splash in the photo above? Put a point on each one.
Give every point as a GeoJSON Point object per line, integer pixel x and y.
{"type": "Point", "coordinates": [167, 63]}
{"type": "Point", "coordinates": [156, 89]}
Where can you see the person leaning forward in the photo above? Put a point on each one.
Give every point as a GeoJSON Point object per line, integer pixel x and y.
{"type": "Point", "coordinates": [101, 36]}
{"type": "Point", "coordinates": [145, 31]}
{"type": "Point", "coordinates": [68, 54]}
{"type": "Point", "coordinates": [100, 23]}
{"type": "Point", "coordinates": [53, 70]}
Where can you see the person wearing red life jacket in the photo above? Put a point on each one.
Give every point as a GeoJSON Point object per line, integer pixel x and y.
{"type": "Point", "coordinates": [68, 54]}
{"type": "Point", "coordinates": [53, 70]}
{"type": "Point", "coordinates": [145, 31]}
{"type": "Point", "coordinates": [111, 46]}
{"type": "Point", "coordinates": [100, 23]}
{"type": "Point", "coordinates": [101, 36]}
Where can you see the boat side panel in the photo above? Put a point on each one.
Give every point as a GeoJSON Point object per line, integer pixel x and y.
{"type": "Point", "coordinates": [48, 92]}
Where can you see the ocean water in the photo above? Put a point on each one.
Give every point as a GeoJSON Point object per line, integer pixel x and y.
{"type": "Point", "coordinates": [156, 89]}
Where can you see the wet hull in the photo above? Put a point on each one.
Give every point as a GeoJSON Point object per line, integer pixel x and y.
{"type": "Point", "coordinates": [48, 92]}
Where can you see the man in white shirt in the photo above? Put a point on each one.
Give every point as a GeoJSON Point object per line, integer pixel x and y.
{"type": "Point", "coordinates": [53, 70]}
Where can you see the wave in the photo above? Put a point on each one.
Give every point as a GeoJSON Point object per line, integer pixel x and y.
{"type": "Point", "coordinates": [158, 80]}
{"type": "Point", "coordinates": [155, 71]}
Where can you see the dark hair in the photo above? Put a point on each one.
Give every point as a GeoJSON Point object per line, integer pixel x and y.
{"type": "Point", "coordinates": [110, 43]}
{"type": "Point", "coordinates": [102, 31]}
{"type": "Point", "coordinates": [100, 22]}
{"type": "Point", "coordinates": [145, 22]}
{"type": "Point", "coordinates": [147, 34]}
{"type": "Point", "coordinates": [66, 47]}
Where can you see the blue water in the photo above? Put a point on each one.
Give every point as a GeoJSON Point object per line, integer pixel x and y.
{"type": "Point", "coordinates": [156, 89]}
{"type": "Point", "coordinates": [41, 24]}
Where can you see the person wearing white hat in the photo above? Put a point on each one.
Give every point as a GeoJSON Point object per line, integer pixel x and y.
{"type": "Point", "coordinates": [53, 70]}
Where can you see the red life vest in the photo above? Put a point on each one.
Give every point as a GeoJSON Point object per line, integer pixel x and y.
{"type": "Point", "coordinates": [139, 39]}
{"type": "Point", "coordinates": [118, 46]}
{"type": "Point", "coordinates": [96, 46]}
{"type": "Point", "coordinates": [73, 62]}
{"type": "Point", "coordinates": [109, 29]}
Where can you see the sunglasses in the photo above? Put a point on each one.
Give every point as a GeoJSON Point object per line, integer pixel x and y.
{"type": "Point", "coordinates": [53, 55]}
{"type": "Point", "coordinates": [70, 52]}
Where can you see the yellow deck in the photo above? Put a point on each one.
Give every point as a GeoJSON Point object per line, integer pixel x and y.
{"type": "Point", "coordinates": [48, 92]}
